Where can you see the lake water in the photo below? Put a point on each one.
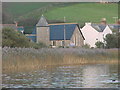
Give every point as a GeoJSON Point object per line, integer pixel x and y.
{"type": "Point", "coordinates": [74, 76]}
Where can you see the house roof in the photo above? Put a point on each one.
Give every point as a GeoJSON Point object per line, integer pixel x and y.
{"type": "Point", "coordinates": [13, 26]}
{"type": "Point", "coordinates": [42, 22]}
{"type": "Point", "coordinates": [62, 23]}
{"type": "Point", "coordinates": [114, 26]}
{"type": "Point", "coordinates": [57, 31]}
{"type": "Point", "coordinates": [99, 27]}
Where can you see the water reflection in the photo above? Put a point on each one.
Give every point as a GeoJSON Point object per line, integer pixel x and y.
{"type": "Point", "coordinates": [65, 77]}
{"type": "Point", "coordinates": [94, 75]}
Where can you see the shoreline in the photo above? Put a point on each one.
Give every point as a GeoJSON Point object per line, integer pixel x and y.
{"type": "Point", "coordinates": [26, 59]}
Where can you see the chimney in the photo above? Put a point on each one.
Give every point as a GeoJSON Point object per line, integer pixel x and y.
{"type": "Point", "coordinates": [88, 23]}
{"type": "Point", "coordinates": [118, 22]}
{"type": "Point", "coordinates": [103, 21]}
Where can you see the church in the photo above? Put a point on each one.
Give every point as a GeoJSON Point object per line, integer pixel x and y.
{"type": "Point", "coordinates": [58, 34]}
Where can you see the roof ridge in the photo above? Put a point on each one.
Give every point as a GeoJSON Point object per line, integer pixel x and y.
{"type": "Point", "coordinates": [61, 23]}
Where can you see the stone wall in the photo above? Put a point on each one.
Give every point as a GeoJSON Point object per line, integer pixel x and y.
{"type": "Point", "coordinates": [42, 34]}
{"type": "Point", "coordinates": [77, 38]}
{"type": "Point", "coordinates": [60, 42]}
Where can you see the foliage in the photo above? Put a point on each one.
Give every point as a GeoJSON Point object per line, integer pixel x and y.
{"type": "Point", "coordinates": [86, 46]}
{"type": "Point", "coordinates": [20, 59]}
{"type": "Point", "coordinates": [112, 40]}
{"type": "Point", "coordinates": [38, 45]}
{"type": "Point", "coordinates": [12, 38]}
{"type": "Point", "coordinates": [99, 44]}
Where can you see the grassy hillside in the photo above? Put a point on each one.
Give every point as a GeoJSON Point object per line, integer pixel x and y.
{"type": "Point", "coordinates": [84, 12]}
{"type": "Point", "coordinates": [29, 13]}
{"type": "Point", "coordinates": [21, 8]}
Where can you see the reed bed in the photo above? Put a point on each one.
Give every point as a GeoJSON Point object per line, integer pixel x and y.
{"type": "Point", "coordinates": [26, 59]}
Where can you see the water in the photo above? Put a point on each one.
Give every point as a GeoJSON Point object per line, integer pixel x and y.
{"type": "Point", "coordinates": [77, 76]}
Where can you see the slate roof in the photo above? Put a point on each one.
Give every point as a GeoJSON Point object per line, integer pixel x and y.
{"type": "Point", "coordinates": [42, 22]}
{"type": "Point", "coordinates": [57, 31]}
{"type": "Point", "coordinates": [99, 27]}
{"type": "Point", "coordinates": [114, 26]}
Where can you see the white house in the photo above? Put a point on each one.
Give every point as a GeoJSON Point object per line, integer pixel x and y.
{"type": "Point", "coordinates": [94, 33]}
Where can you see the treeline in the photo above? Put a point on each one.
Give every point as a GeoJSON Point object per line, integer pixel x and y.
{"type": "Point", "coordinates": [12, 38]}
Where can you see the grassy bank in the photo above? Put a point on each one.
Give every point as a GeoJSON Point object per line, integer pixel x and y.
{"type": "Point", "coordinates": [25, 59]}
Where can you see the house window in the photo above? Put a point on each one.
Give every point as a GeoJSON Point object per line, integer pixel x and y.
{"type": "Point", "coordinates": [54, 43]}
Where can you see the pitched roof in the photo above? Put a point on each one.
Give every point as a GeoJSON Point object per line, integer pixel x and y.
{"type": "Point", "coordinates": [57, 31]}
{"type": "Point", "coordinates": [114, 26]}
{"type": "Point", "coordinates": [99, 27]}
{"type": "Point", "coordinates": [42, 22]}
{"type": "Point", "coordinates": [61, 23]}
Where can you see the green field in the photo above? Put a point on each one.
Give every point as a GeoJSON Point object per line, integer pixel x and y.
{"type": "Point", "coordinates": [84, 12]}
{"type": "Point", "coordinates": [21, 8]}
{"type": "Point", "coordinates": [74, 12]}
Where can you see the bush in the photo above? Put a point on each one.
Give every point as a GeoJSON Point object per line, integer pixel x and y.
{"type": "Point", "coordinates": [99, 44]}
{"type": "Point", "coordinates": [61, 47]}
{"type": "Point", "coordinates": [38, 45]}
{"type": "Point", "coordinates": [13, 38]}
{"type": "Point", "coordinates": [86, 46]}
{"type": "Point", "coordinates": [112, 40]}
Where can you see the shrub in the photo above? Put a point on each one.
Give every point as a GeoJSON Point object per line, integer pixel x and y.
{"type": "Point", "coordinates": [12, 38]}
{"type": "Point", "coordinates": [99, 44]}
{"type": "Point", "coordinates": [86, 46]}
{"type": "Point", "coordinates": [112, 40]}
{"type": "Point", "coordinates": [38, 45]}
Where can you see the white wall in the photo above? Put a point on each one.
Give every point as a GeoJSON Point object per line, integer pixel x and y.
{"type": "Point", "coordinates": [107, 31]}
{"type": "Point", "coordinates": [90, 34]}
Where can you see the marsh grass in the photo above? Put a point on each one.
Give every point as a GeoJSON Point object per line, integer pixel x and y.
{"type": "Point", "coordinates": [28, 59]}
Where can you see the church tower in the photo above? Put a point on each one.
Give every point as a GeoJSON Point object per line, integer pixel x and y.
{"type": "Point", "coordinates": [42, 31]}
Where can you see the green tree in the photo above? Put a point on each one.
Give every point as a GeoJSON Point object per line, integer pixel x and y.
{"type": "Point", "coordinates": [86, 46]}
{"type": "Point", "coordinates": [99, 44]}
{"type": "Point", "coordinates": [14, 38]}
{"type": "Point", "coordinates": [112, 40]}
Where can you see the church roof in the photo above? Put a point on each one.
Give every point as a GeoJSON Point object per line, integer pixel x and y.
{"type": "Point", "coordinates": [57, 31]}
{"type": "Point", "coordinates": [42, 22]}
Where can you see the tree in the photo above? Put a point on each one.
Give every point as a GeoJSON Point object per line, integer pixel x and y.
{"type": "Point", "coordinates": [13, 38]}
{"type": "Point", "coordinates": [112, 40]}
{"type": "Point", "coordinates": [99, 44]}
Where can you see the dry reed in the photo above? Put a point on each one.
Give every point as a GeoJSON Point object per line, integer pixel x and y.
{"type": "Point", "coordinates": [26, 59]}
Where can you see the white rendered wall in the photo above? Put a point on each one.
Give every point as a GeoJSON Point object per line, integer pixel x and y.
{"type": "Point", "coordinates": [90, 35]}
